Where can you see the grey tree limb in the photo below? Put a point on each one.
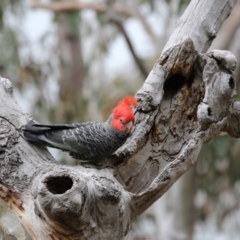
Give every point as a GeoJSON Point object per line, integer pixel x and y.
{"type": "Point", "coordinates": [187, 99]}
{"type": "Point", "coordinates": [200, 22]}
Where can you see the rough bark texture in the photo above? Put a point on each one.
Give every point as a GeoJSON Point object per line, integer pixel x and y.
{"type": "Point", "coordinates": [186, 100]}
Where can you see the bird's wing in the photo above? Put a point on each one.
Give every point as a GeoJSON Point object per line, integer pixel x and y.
{"type": "Point", "coordinates": [83, 140]}
{"type": "Point", "coordinates": [87, 140]}
{"type": "Point", "coordinates": [91, 141]}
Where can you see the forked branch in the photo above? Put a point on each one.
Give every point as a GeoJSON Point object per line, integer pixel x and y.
{"type": "Point", "coordinates": [187, 99]}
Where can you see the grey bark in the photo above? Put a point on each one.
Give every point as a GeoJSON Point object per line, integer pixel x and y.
{"type": "Point", "coordinates": [187, 99]}
{"type": "Point", "coordinates": [10, 227]}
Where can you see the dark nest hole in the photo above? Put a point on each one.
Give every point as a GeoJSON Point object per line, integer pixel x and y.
{"type": "Point", "coordinates": [59, 185]}
{"type": "Point", "coordinates": [174, 84]}
{"type": "Point", "coordinates": [231, 83]}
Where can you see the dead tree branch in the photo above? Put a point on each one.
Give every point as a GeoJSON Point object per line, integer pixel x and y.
{"type": "Point", "coordinates": [187, 99]}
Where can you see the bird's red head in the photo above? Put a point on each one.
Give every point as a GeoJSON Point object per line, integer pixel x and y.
{"type": "Point", "coordinates": [123, 116]}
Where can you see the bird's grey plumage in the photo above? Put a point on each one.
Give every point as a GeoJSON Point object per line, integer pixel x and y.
{"type": "Point", "coordinates": [89, 141]}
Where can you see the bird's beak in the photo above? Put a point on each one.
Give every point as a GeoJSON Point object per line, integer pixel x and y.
{"type": "Point", "coordinates": [129, 127]}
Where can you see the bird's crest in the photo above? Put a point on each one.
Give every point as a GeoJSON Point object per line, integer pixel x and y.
{"type": "Point", "coordinates": [129, 100]}
{"type": "Point", "coordinates": [124, 108]}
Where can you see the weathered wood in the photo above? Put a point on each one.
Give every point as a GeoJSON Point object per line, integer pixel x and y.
{"type": "Point", "coordinates": [187, 99]}
{"type": "Point", "coordinates": [200, 22]}
{"type": "Point", "coordinates": [55, 201]}
{"type": "Point", "coordinates": [186, 120]}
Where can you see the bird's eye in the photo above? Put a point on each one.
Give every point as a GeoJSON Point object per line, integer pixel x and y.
{"type": "Point", "coordinates": [121, 120]}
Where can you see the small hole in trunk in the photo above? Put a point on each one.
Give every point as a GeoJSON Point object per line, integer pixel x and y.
{"type": "Point", "coordinates": [231, 83]}
{"type": "Point", "coordinates": [209, 110]}
{"type": "Point", "coordinates": [174, 83]}
{"type": "Point", "coordinates": [58, 185]}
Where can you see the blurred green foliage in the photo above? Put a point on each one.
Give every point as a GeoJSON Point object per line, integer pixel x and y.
{"type": "Point", "coordinates": [219, 166]}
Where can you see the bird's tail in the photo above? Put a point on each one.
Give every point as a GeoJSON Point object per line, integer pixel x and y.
{"type": "Point", "coordinates": [32, 131]}
{"type": "Point", "coordinates": [49, 135]}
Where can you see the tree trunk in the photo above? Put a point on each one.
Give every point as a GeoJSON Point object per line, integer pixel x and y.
{"type": "Point", "coordinates": [71, 66]}
{"type": "Point", "coordinates": [187, 99]}
{"type": "Point", "coordinates": [181, 209]}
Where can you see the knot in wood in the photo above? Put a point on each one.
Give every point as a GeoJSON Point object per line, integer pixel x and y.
{"type": "Point", "coordinates": [8, 139]}
{"type": "Point", "coordinates": [219, 85]}
{"type": "Point", "coordinates": [225, 58]}
{"type": "Point", "coordinates": [107, 190]}
{"type": "Point", "coordinates": [60, 197]}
